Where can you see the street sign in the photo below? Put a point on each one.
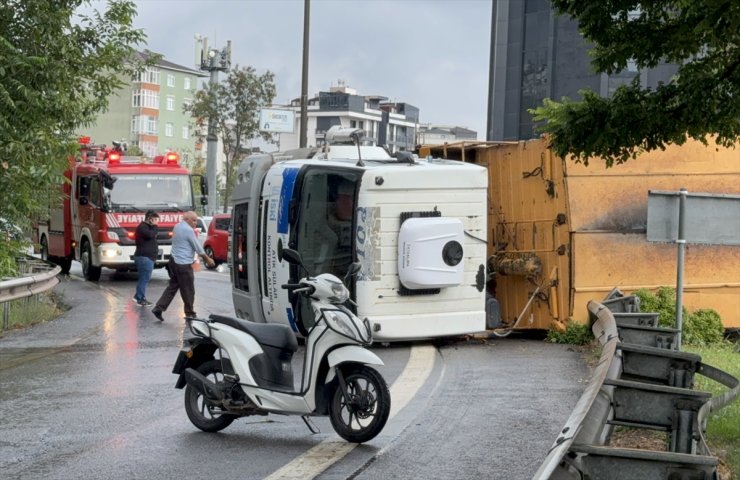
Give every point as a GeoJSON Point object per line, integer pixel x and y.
{"type": "Point", "coordinates": [682, 217]}
{"type": "Point", "coordinates": [710, 218]}
{"type": "Point", "coordinates": [277, 121]}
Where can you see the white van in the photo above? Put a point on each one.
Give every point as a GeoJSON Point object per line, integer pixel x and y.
{"type": "Point", "coordinates": [418, 228]}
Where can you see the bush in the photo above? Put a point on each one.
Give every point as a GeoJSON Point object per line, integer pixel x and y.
{"type": "Point", "coordinates": [702, 327]}
{"type": "Point", "coordinates": [575, 334]}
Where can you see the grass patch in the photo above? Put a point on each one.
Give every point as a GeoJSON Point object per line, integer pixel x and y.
{"type": "Point", "coordinates": [31, 310]}
{"type": "Point", "coordinates": [723, 428]}
{"type": "Point", "coordinates": [574, 334]}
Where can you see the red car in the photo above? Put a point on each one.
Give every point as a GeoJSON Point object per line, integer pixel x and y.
{"type": "Point", "coordinates": [217, 241]}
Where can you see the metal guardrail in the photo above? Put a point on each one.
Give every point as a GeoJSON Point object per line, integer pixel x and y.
{"type": "Point", "coordinates": [36, 277]}
{"type": "Point", "coordinates": [642, 383]}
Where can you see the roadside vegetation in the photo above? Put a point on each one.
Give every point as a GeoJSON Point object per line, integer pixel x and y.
{"type": "Point", "coordinates": [29, 311]}
{"type": "Point", "coordinates": [723, 428]}
{"type": "Point", "coordinates": [59, 66]}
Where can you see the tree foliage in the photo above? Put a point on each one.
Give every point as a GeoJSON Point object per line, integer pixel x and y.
{"type": "Point", "coordinates": [57, 69]}
{"type": "Point", "coordinates": [702, 99]}
{"type": "Point", "coordinates": [234, 106]}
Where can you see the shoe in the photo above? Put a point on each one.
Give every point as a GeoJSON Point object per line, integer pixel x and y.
{"type": "Point", "coordinates": [145, 303]}
{"type": "Point", "coordinates": [158, 313]}
{"type": "Point", "coordinates": [192, 315]}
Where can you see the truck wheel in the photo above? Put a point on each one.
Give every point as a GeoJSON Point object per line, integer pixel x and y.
{"type": "Point", "coordinates": [89, 271]}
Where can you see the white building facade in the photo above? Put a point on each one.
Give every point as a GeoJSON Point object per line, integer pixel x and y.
{"type": "Point", "coordinates": [389, 124]}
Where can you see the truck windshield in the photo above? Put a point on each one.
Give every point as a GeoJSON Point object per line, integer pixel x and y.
{"type": "Point", "coordinates": [143, 190]}
{"type": "Point", "coordinates": [323, 233]}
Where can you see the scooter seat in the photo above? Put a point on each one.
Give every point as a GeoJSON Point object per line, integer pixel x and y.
{"type": "Point", "coordinates": [271, 334]}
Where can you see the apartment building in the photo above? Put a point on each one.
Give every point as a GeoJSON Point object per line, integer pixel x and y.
{"type": "Point", "coordinates": [431, 134]}
{"type": "Point", "coordinates": [148, 112]}
{"type": "Point", "coordinates": [392, 124]}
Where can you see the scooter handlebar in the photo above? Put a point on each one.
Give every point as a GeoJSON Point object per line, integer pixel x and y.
{"type": "Point", "coordinates": [299, 288]}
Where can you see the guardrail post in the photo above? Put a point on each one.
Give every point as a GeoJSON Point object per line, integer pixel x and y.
{"type": "Point", "coordinates": [6, 315]}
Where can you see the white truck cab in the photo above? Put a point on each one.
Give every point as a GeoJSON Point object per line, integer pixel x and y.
{"type": "Point", "coordinates": [417, 227]}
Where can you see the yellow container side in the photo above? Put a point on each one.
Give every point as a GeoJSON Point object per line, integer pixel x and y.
{"type": "Point", "coordinates": [587, 226]}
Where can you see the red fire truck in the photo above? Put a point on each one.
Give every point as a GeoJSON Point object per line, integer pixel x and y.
{"type": "Point", "coordinates": [105, 199]}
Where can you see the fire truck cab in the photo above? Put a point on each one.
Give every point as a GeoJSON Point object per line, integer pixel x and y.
{"type": "Point", "coordinates": [417, 227]}
{"type": "Point", "coordinates": [105, 198]}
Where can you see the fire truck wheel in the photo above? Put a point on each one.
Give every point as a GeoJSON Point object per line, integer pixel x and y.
{"type": "Point", "coordinates": [89, 271]}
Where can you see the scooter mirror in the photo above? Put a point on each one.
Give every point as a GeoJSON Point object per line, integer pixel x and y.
{"type": "Point", "coordinates": [291, 256]}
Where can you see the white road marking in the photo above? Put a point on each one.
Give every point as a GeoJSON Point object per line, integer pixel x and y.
{"type": "Point", "coordinates": [334, 448]}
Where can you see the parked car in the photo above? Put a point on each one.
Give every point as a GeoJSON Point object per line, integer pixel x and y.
{"type": "Point", "coordinates": [216, 244]}
{"type": "Point", "coordinates": [202, 228]}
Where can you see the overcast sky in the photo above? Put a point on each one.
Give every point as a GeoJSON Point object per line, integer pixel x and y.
{"type": "Point", "coordinates": [433, 54]}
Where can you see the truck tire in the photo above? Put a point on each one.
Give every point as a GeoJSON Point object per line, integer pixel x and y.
{"type": "Point", "coordinates": [89, 271]}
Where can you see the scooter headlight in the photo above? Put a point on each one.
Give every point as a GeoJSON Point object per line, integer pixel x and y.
{"type": "Point", "coordinates": [341, 323]}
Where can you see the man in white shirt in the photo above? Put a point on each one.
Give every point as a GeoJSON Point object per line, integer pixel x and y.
{"type": "Point", "coordinates": [185, 246]}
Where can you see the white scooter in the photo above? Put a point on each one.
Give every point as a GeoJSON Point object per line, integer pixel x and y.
{"type": "Point", "coordinates": [235, 368]}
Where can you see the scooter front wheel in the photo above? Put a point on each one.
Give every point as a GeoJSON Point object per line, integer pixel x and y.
{"type": "Point", "coordinates": [363, 415]}
{"type": "Point", "coordinates": [202, 415]}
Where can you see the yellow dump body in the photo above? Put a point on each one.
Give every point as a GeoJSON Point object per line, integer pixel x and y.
{"type": "Point", "coordinates": [587, 226]}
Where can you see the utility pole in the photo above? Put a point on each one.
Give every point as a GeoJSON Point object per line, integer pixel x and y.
{"type": "Point", "coordinates": [213, 61]}
{"type": "Point", "coordinates": [304, 83]}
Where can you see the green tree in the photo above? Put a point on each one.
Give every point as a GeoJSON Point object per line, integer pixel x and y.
{"type": "Point", "coordinates": [234, 106]}
{"type": "Point", "coordinates": [703, 98]}
{"type": "Point", "coordinates": [57, 68]}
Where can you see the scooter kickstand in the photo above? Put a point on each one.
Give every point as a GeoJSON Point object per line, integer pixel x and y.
{"type": "Point", "coordinates": [311, 426]}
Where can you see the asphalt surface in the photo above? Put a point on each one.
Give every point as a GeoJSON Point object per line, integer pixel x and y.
{"type": "Point", "coordinates": [90, 395]}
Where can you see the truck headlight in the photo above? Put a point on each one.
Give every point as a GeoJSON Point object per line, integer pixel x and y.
{"type": "Point", "coordinates": [110, 252]}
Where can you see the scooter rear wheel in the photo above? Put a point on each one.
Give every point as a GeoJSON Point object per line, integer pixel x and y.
{"type": "Point", "coordinates": [203, 416]}
{"type": "Point", "coordinates": [361, 417]}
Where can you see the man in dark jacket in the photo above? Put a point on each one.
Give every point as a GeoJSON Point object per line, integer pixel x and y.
{"type": "Point", "coordinates": [146, 254]}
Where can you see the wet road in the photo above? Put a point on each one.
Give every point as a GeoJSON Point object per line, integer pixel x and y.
{"type": "Point", "coordinates": [90, 395]}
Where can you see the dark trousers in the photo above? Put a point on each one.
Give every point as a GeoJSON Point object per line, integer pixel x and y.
{"type": "Point", "coordinates": [183, 279]}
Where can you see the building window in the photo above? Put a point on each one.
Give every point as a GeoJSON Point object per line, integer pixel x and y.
{"type": "Point", "coordinates": [170, 102]}
{"type": "Point", "coordinates": [145, 125]}
{"type": "Point", "coordinates": [169, 129]}
{"type": "Point", "coordinates": [170, 80]}
{"type": "Point", "coordinates": [145, 98]}
{"type": "Point", "coordinates": [185, 132]}
{"type": "Point", "coordinates": [186, 83]}
{"type": "Point", "coordinates": [187, 103]}
{"type": "Point", "coordinates": [150, 75]}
